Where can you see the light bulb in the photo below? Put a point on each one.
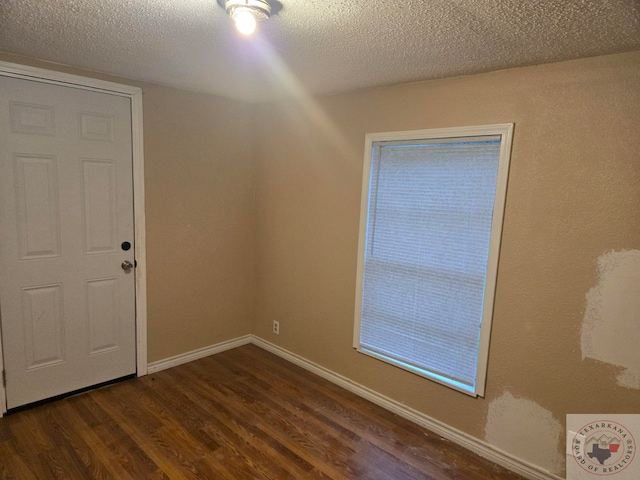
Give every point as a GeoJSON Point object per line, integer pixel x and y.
{"type": "Point", "coordinates": [245, 20]}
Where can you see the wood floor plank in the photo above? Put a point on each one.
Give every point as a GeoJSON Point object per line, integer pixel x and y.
{"type": "Point", "coordinates": [124, 450]}
{"type": "Point", "coordinates": [272, 420]}
{"type": "Point", "coordinates": [13, 465]}
{"type": "Point", "coordinates": [239, 426]}
{"type": "Point", "coordinates": [337, 415]}
{"type": "Point", "coordinates": [379, 437]}
{"type": "Point", "coordinates": [94, 443]}
{"type": "Point", "coordinates": [155, 446]}
{"type": "Point", "coordinates": [380, 427]}
{"type": "Point", "coordinates": [322, 427]}
{"type": "Point", "coordinates": [240, 414]}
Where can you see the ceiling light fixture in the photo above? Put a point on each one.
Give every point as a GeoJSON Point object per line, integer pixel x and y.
{"type": "Point", "coordinates": [247, 13]}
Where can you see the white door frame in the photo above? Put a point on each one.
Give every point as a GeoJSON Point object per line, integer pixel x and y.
{"type": "Point", "coordinates": [135, 94]}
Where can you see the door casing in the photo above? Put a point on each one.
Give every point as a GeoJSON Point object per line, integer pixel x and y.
{"type": "Point", "coordinates": [135, 95]}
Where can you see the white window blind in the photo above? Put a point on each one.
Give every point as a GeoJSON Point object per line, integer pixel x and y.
{"type": "Point", "coordinates": [429, 219]}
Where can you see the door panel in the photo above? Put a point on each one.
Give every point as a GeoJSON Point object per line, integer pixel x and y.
{"type": "Point", "coordinates": [99, 215]}
{"type": "Point", "coordinates": [102, 311]}
{"type": "Point", "coordinates": [66, 204]}
{"type": "Point", "coordinates": [42, 317]}
{"type": "Point", "coordinates": [36, 189]}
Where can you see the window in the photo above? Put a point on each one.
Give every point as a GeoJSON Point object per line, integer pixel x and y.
{"type": "Point", "coordinates": [431, 221]}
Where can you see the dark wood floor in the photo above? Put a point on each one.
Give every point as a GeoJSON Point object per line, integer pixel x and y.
{"type": "Point", "coordinates": [241, 414]}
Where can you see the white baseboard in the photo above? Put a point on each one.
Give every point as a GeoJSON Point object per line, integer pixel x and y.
{"type": "Point", "coordinates": [473, 444]}
{"type": "Point", "coordinates": [197, 354]}
{"type": "Point", "coordinates": [483, 449]}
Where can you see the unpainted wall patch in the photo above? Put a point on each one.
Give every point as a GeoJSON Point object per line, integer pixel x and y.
{"type": "Point", "coordinates": [611, 324]}
{"type": "Point", "coordinates": [524, 429]}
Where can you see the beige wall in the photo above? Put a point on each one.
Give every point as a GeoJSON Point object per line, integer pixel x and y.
{"type": "Point", "coordinates": [290, 201]}
{"type": "Point", "coordinates": [199, 180]}
{"type": "Point", "coordinates": [573, 196]}
{"type": "Point", "coordinates": [200, 217]}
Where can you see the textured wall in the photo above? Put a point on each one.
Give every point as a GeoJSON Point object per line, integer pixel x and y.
{"type": "Point", "coordinates": [199, 177]}
{"type": "Point", "coordinates": [572, 197]}
{"type": "Point", "coordinates": [199, 186]}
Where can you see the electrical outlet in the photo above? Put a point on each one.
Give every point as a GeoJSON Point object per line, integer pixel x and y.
{"type": "Point", "coordinates": [276, 327]}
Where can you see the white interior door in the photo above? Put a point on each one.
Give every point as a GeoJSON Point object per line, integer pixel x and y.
{"type": "Point", "coordinates": [67, 307]}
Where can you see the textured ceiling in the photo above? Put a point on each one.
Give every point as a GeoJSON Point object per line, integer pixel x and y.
{"type": "Point", "coordinates": [315, 46]}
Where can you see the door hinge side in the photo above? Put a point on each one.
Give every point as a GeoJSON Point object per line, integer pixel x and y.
{"type": "Point", "coordinates": [4, 378]}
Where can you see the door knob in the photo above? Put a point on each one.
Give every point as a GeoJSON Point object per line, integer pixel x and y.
{"type": "Point", "coordinates": [127, 266]}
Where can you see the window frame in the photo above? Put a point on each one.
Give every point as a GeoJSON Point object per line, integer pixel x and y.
{"type": "Point", "coordinates": [505, 131]}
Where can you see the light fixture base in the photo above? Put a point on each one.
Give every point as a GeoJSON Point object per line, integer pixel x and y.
{"type": "Point", "coordinates": [260, 8]}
